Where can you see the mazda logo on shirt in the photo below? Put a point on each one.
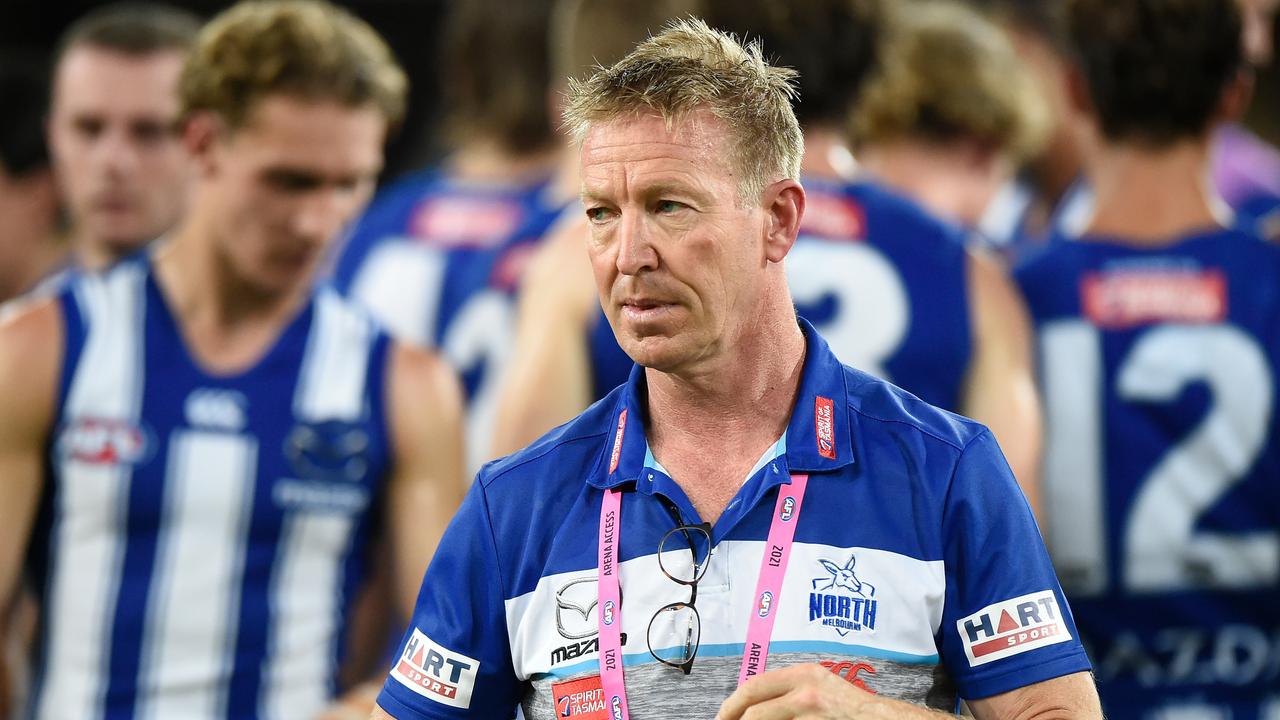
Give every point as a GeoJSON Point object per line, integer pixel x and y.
{"type": "Point", "coordinates": [575, 603]}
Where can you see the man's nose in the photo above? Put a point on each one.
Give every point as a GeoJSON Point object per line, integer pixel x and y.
{"type": "Point", "coordinates": [635, 247]}
{"type": "Point", "coordinates": [118, 154]}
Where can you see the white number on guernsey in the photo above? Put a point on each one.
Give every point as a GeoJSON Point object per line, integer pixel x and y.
{"type": "Point", "coordinates": [1162, 549]}
{"type": "Point", "coordinates": [400, 284]}
{"type": "Point", "coordinates": [872, 310]}
{"type": "Point", "coordinates": [481, 335]}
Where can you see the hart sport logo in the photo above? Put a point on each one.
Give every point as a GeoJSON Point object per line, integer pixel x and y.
{"type": "Point", "coordinates": [435, 672]}
{"type": "Point", "coordinates": [1012, 627]}
{"type": "Point", "coordinates": [841, 600]}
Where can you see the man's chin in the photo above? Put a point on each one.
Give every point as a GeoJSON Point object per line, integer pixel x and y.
{"type": "Point", "coordinates": [655, 352]}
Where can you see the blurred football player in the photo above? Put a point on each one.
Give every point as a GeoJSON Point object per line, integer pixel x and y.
{"type": "Point", "coordinates": [1160, 365]}
{"type": "Point", "coordinates": [30, 246]}
{"type": "Point", "coordinates": [121, 168]}
{"type": "Point", "coordinates": [949, 113]}
{"type": "Point", "coordinates": [213, 443]}
{"type": "Point", "coordinates": [437, 255]}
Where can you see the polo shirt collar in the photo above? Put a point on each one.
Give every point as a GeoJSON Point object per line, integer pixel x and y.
{"type": "Point", "coordinates": [819, 438]}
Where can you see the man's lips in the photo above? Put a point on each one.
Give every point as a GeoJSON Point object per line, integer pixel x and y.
{"type": "Point", "coordinates": [645, 308]}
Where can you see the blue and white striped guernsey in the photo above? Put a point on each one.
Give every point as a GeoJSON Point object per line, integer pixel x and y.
{"type": "Point", "coordinates": [204, 534]}
{"type": "Point", "coordinates": [916, 571]}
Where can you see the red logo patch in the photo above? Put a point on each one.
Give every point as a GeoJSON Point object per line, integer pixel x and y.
{"type": "Point", "coordinates": [851, 671]}
{"type": "Point", "coordinates": [581, 699]}
{"type": "Point", "coordinates": [102, 441]}
{"type": "Point", "coordinates": [824, 424]}
{"type": "Point", "coordinates": [833, 217]}
{"type": "Point", "coordinates": [1124, 299]}
{"type": "Point", "coordinates": [617, 441]}
{"type": "Point", "coordinates": [466, 222]}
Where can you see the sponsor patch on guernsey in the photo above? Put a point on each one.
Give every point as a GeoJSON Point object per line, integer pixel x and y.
{"type": "Point", "coordinates": [433, 671]}
{"type": "Point", "coordinates": [581, 699]}
{"type": "Point", "coordinates": [1012, 627]}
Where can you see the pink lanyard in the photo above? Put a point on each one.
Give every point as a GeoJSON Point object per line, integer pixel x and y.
{"type": "Point", "coordinates": [773, 566]}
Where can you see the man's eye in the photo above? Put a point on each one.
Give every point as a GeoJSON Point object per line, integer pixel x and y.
{"type": "Point", "coordinates": [668, 206]}
{"type": "Point", "coordinates": [89, 127]}
{"type": "Point", "coordinates": [597, 214]}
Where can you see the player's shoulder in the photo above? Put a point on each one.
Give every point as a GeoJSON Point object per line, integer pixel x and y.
{"type": "Point", "coordinates": [396, 200]}
{"type": "Point", "coordinates": [565, 456]}
{"type": "Point", "coordinates": [903, 216]}
{"type": "Point", "coordinates": [885, 412]}
{"type": "Point", "coordinates": [1046, 264]}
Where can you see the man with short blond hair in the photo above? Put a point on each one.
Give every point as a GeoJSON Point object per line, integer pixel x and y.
{"type": "Point", "coordinates": [744, 502]}
{"type": "Point", "coordinates": [217, 440]}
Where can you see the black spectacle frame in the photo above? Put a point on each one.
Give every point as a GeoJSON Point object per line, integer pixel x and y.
{"type": "Point", "coordinates": [694, 637]}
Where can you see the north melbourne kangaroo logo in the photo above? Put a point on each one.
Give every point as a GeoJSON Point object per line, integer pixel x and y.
{"type": "Point", "coordinates": [841, 600]}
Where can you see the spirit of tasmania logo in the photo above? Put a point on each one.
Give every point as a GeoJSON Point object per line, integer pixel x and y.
{"type": "Point", "coordinates": [1011, 627]}
{"type": "Point", "coordinates": [842, 601]}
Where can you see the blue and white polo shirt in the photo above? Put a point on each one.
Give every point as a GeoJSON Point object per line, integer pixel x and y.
{"type": "Point", "coordinates": [917, 570]}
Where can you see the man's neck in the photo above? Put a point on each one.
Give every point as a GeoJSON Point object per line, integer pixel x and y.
{"type": "Point", "coordinates": [92, 255]}
{"type": "Point", "coordinates": [709, 426]}
{"type": "Point", "coordinates": [1152, 196]}
{"type": "Point", "coordinates": [944, 179]}
{"type": "Point", "coordinates": [228, 324]}
{"type": "Point", "coordinates": [485, 161]}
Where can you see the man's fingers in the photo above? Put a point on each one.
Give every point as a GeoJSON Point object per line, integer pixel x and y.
{"type": "Point", "coordinates": [766, 688]}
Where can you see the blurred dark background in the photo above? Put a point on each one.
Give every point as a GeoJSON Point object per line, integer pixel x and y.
{"type": "Point", "coordinates": [29, 28]}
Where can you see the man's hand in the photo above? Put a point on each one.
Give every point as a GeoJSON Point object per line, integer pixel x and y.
{"type": "Point", "coordinates": [810, 692]}
{"type": "Point", "coordinates": [355, 704]}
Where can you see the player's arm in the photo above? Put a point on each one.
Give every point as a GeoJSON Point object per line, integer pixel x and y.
{"type": "Point", "coordinates": [424, 404]}
{"type": "Point", "coordinates": [427, 483]}
{"type": "Point", "coordinates": [804, 691]}
{"type": "Point", "coordinates": [1000, 389]}
{"type": "Point", "coordinates": [31, 347]}
{"type": "Point", "coordinates": [548, 380]}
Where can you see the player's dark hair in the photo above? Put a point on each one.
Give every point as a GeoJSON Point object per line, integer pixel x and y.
{"type": "Point", "coordinates": [131, 28]}
{"type": "Point", "coordinates": [587, 35]}
{"type": "Point", "coordinates": [1155, 69]}
{"type": "Point", "coordinates": [24, 96]}
{"type": "Point", "coordinates": [831, 43]}
{"type": "Point", "coordinates": [495, 73]}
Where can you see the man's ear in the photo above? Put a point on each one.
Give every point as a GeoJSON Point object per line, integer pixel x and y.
{"type": "Point", "coordinates": [784, 204]}
{"type": "Point", "coordinates": [202, 133]}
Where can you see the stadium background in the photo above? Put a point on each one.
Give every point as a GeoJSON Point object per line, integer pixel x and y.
{"type": "Point", "coordinates": [28, 28]}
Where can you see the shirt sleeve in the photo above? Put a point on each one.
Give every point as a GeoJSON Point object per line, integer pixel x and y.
{"type": "Point", "coordinates": [455, 658]}
{"type": "Point", "coordinates": [1005, 623]}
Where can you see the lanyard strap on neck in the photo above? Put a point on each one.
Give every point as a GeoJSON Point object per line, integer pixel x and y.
{"type": "Point", "coordinates": [609, 607]}
{"type": "Point", "coordinates": [773, 568]}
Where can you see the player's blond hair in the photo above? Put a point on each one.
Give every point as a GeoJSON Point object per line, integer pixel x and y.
{"type": "Point", "coordinates": [308, 49]}
{"type": "Point", "coordinates": [690, 66]}
{"type": "Point", "coordinates": [946, 73]}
